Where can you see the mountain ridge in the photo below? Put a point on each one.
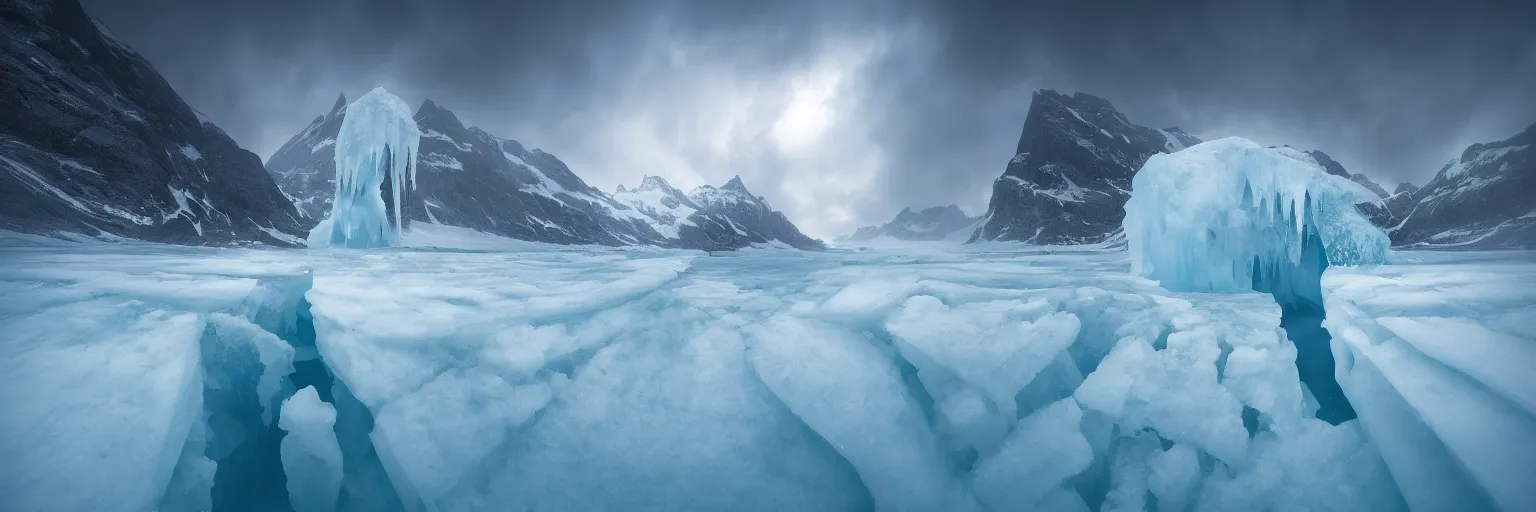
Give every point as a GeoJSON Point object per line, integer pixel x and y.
{"type": "Point", "coordinates": [929, 224]}
{"type": "Point", "coordinates": [470, 178]}
{"type": "Point", "coordinates": [94, 141]}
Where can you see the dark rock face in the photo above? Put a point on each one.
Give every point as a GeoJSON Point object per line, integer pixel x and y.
{"type": "Point", "coordinates": [936, 223]}
{"type": "Point", "coordinates": [1484, 199]}
{"type": "Point", "coordinates": [94, 141]}
{"type": "Point", "coordinates": [467, 177]}
{"type": "Point", "coordinates": [305, 165]}
{"type": "Point", "coordinates": [1071, 173]}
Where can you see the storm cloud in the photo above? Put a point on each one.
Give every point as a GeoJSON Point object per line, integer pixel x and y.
{"type": "Point", "coordinates": [843, 112]}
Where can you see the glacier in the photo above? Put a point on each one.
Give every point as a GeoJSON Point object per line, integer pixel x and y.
{"type": "Point", "coordinates": [464, 373]}
{"type": "Point", "coordinates": [1230, 215]}
{"type": "Point", "coordinates": [375, 155]}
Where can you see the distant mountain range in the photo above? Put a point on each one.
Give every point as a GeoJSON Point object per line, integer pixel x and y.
{"type": "Point", "coordinates": [936, 223]}
{"type": "Point", "coordinates": [94, 142]}
{"type": "Point", "coordinates": [469, 178]}
{"type": "Point", "coordinates": [1486, 198]}
{"type": "Point", "coordinates": [1070, 177]}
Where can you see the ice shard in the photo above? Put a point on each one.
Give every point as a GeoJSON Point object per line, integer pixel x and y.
{"type": "Point", "coordinates": [310, 454]}
{"type": "Point", "coordinates": [377, 143]}
{"type": "Point", "coordinates": [1230, 215]}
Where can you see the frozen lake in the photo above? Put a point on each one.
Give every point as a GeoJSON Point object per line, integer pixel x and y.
{"type": "Point", "coordinates": [503, 375]}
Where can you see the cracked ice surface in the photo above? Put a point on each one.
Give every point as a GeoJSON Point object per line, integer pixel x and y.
{"type": "Point", "coordinates": [544, 378]}
{"type": "Point", "coordinates": [1437, 353]}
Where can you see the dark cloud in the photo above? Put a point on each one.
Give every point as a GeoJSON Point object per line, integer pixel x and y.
{"type": "Point", "coordinates": [841, 113]}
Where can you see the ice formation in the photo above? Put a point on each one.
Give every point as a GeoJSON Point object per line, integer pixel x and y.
{"type": "Point", "coordinates": [311, 457]}
{"type": "Point", "coordinates": [540, 378]}
{"type": "Point", "coordinates": [1229, 215]}
{"type": "Point", "coordinates": [376, 147]}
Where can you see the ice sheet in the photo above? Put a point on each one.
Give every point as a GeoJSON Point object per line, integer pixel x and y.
{"type": "Point", "coordinates": [595, 378]}
{"type": "Point", "coordinates": [1438, 350]}
{"type": "Point", "coordinates": [100, 394]}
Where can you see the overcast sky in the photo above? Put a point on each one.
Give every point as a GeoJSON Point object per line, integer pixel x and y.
{"type": "Point", "coordinates": [841, 112]}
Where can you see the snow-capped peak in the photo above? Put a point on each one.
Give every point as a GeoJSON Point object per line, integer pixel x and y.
{"type": "Point", "coordinates": [736, 184]}
{"type": "Point", "coordinates": [658, 200]}
{"type": "Point", "coordinates": [656, 183]}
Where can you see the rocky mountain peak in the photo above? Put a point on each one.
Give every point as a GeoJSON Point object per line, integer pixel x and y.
{"type": "Point", "coordinates": [1071, 172]}
{"type": "Point", "coordinates": [656, 183]}
{"type": "Point", "coordinates": [341, 103]}
{"type": "Point", "coordinates": [431, 115]}
{"type": "Point", "coordinates": [736, 185]}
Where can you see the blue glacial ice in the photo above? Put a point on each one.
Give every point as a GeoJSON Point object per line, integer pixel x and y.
{"type": "Point", "coordinates": [519, 376]}
{"type": "Point", "coordinates": [376, 147]}
{"type": "Point", "coordinates": [1231, 215]}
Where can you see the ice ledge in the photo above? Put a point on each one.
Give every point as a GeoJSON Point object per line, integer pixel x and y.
{"type": "Point", "coordinates": [1436, 356]}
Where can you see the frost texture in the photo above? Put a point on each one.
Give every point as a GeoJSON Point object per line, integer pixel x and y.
{"type": "Point", "coordinates": [378, 142]}
{"type": "Point", "coordinates": [1229, 215]}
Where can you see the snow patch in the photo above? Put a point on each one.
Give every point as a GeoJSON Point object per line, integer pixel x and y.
{"type": "Point", "coordinates": [190, 152]}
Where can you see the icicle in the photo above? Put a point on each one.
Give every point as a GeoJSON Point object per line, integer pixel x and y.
{"type": "Point", "coordinates": [378, 138]}
{"type": "Point", "coordinates": [1228, 215]}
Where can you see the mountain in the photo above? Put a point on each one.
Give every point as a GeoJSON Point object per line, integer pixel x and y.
{"type": "Point", "coordinates": [1484, 199]}
{"type": "Point", "coordinates": [709, 218]}
{"type": "Point", "coordinates": [1388, 212]}
{"type": "Point", "coordinates": [668, 207]}
{"type": "Point", "coordinates": [94, 141]}
{"type": "Point", "coordinates": [469, 178]}
{"type": "Point", "coordinates": [1070, 175]}
{"type": "Point", "coordinates": [936, 223]}
{"type": "Point", "coordinates": [304, 167]}
{"type": "Point", "coordinates": [1387, 209]}
{"type": "Point", "coordinates": [1333, 167]}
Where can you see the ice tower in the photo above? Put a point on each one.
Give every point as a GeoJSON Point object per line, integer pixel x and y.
{"type": "Point", "coordinates": [375, 153]}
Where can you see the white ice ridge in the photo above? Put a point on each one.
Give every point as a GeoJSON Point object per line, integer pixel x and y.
{"type": "Point", "coordinates": [1210, 217]}
{"type": "Point", "coordinates": [378, 141]}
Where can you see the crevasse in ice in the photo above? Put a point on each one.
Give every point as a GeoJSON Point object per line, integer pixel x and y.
{"type": "Point", "coordinates": [1230, 215]}
{"type": "Point", "coordinates": [378, 142]}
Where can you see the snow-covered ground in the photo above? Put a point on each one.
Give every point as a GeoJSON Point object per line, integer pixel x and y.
{"type": "Point", "coordinates": [499, 375]}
